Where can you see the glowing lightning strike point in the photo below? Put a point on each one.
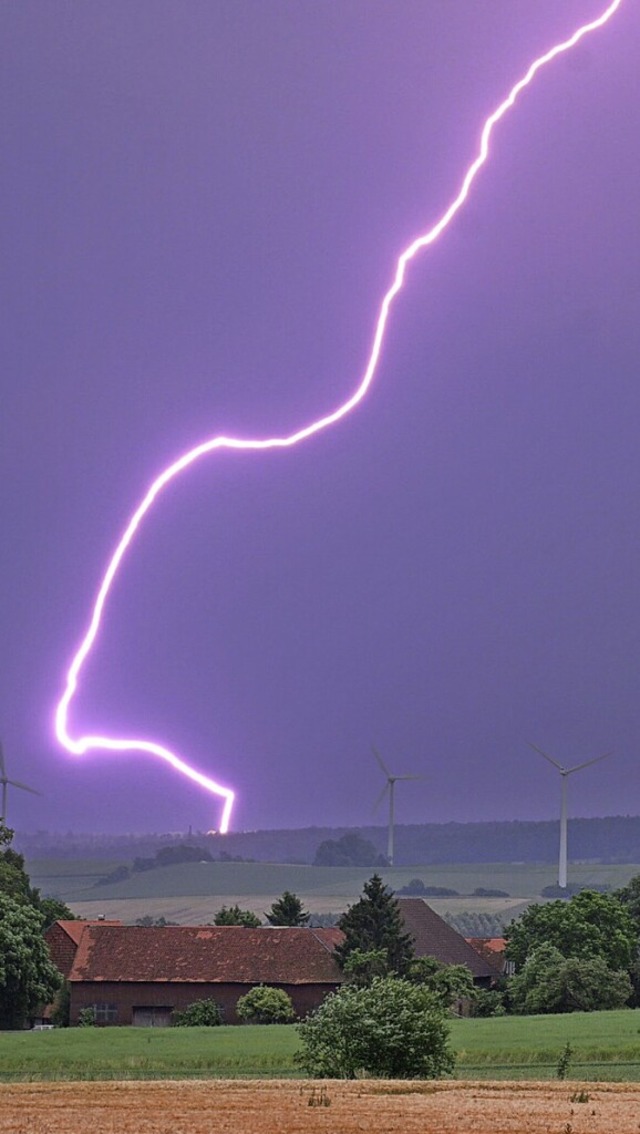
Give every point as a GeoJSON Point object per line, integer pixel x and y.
{"type": "Point", "coordinates": [84, 744]}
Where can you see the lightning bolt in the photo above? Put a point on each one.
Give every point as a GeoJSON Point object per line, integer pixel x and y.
{"type": "Point", "coordinates": [82, 744]}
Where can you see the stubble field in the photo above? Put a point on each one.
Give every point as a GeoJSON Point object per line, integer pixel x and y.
{"type": "Point", "coordinates": [284, 1107]}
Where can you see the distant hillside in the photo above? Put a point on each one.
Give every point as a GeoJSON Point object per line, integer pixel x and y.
{"type": "Point", "coordinates": [615, 839]}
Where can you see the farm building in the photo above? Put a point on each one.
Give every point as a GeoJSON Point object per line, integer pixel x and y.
{"type": "Point", "coordinates": [492, 949]}
{"type": "Point", "coordinates": [63, 938]}
{"type": "Point", "coordinates": [140, 975]}
{"type": "Point", "coordinates": [434, 937]}
{"type": "Point", "coordinates": [135, 975]}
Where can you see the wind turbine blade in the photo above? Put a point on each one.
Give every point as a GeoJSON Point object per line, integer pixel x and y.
{"type": "Point", "coordinates": [381, 796]}
{"type": "Point", "coordinates": [546, 756]}
{"type": "Point", "coordinates": [3, 770]}
{"type": "Point", "coordinates": [408, 777]}
{"type": "Point", "coordinates": [577, 767]}
{"type": "Point", "coordinates": [25, 787]}
{"type": "Point", "coordinates": [380, 761]}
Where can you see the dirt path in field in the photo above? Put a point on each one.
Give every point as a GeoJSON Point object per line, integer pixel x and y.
{"type": "Point", "coordinates": [272, 1107]}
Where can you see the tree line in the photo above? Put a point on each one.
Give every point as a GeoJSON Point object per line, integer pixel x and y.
{"type": "Point", "coordinates": [608, 840]}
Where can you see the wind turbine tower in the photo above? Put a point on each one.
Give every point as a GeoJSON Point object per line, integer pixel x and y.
{"type": "Point", "coordinates": [564, 775]}
{"type": "Point", "coordinates": [389, 787]}
{"type": "Point", "coordinates": [5, 782]}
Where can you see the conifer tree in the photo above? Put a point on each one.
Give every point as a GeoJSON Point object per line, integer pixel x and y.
{"type": "Point", "coordinates": [288, 910]}
{"type": "Point", "coordinates": [375, 923]}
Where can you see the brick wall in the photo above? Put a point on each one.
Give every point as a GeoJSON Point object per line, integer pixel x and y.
{"type": "Point", "coordinates": [126, 996]}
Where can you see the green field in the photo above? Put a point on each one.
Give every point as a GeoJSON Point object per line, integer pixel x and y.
{"type": "Point", "coordinates": [606, 1046]}
{"type": "Point", "coordinates": [192, 892]}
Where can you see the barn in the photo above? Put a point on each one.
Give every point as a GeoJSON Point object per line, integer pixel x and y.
{"type": "Point", "coordinates": [136, 975]}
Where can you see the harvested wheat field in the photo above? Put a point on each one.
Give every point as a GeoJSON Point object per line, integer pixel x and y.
{"type": "Point", "coordinates": [286, 1107]}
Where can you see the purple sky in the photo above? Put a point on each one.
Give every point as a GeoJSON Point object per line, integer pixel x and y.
{"type": "Point", "coordinates": [201, 206]}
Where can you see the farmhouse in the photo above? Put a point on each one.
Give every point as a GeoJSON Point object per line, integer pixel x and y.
{"type": "Point", "coordinates": [63, 938]}
{"type": "Point", "coordinates": [139, 975]}
{"type": "Point", "coordinates": [434, 937]}
{"type": "Point", "coordinates": [136, 975]}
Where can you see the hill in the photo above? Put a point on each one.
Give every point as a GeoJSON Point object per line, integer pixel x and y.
{"type": "Point", "coordinates": [614, 839]}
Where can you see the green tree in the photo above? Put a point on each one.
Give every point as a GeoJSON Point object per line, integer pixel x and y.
{"type": "Point", "coordinates": [360, 968]}
{"type": "Point", "coordinates": [288, 910]}
{"type": "Point", "coordinates": [233, 915]}
{"type": "Point", "coordinates": [61, 1013]}
{"type": "Point", "coordinates": [265, 1005]}
{"type": "Point", "coordinates": [200, 1014]}
{"type": "Point", "coordinates": [629, 896]}
{"type": "Point", "coordinates": [349, 850]}
{"type": "Point", "coordinates": [14, 880]}
{"type": "Point", "coordinates": [375, 922]}
{"type": "Point", "coordinates": [589, 925]}
{"type": "Point", "coordinates": [450, 983]}
{"type": "Point", "coordinates": [391, 1029]}
{"type": "Point", "coordinates": [549, 982]}
{"type": "Point", "coordinates": [52, 910]}
{"type": "Point", "coordinates": [27, 976]}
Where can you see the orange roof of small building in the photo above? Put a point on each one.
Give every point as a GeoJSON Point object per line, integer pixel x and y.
{"type": "Point", "coordinates": [493, 944]}
{"type": "Point", "coordinates": [206, 954]}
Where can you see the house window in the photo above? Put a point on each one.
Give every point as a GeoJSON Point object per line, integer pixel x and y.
{"type": "Point", "coordinates": [105, 1013]}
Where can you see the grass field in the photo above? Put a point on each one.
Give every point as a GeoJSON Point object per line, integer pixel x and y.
{"type": "Point", "coordinates": [192, 892]}
{"type": "Point", "coordinates": [606, 1046]}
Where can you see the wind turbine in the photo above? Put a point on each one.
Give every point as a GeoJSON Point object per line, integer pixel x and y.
{"type": "Point", "coordinates": [564, 775]}
{"type": "Point", "coordinates": [389, 787]}
{"type": "Point", "coordinates": [5, 781]}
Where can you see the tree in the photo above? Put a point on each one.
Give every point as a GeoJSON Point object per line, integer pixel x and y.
{"type": "Point", "coordinates": [233, 915]}
{"type": "Point", "coordinates": [549, 982]}
{"type": "Point", "coordinates": [287, 910]}
{"type": "Point", "coordinates": [147, 921]}
{"type": "Point", "coordinates": [589, 925]}
{"type": "Point", "coordinates": [629, 896]}
{"type": "Point", "coordinates": [27, 976]}
{"type": "Point", "coordinates": [61, 1012]}
{"type": "Point", "coordinates": [450, 983]}
{"type": "Point", "coordinates": [349, 850]}
{"type": "Point", "coordinates": [199, 1014]}
{"type": "Point", "coordinates": [14, 880]}
{"type": "Point", "coordinates": [360, 968]}
{"type": "Point", "coordinates": [52, 910]}
{"type": "Point", "coordinates": [373, 923]}
{"type": "Point", "coordinates": [391, 1029]}
{"type": "Point", "coordinates": [265, 1005]}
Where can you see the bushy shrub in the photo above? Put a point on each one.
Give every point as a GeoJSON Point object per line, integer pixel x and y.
{"type": "Point", "coordinates": [61, 1013]}
{"type": "Point", "coordinates": [488, 1002]}
{"type": "Point", "coordinates": [449, 983]}
{"type": "Point", "coordinates": [391, 1029]}
{"type": "Point", "coordinates": [265, 1005]}
{"type": "Point", "coordinates": [233, 915]}
{"type": "Point", "coordinates": [200, 1014]}
{"type": "Point", "coordinates": [417, 886]}
{"type": "Point", "coordinates": [549, 982]}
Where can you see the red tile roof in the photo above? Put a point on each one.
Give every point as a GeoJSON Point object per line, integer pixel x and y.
{"type": "Point", "coordinates": [206, 954]}
{"type": "Point", "coordinates": [74, 928]}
